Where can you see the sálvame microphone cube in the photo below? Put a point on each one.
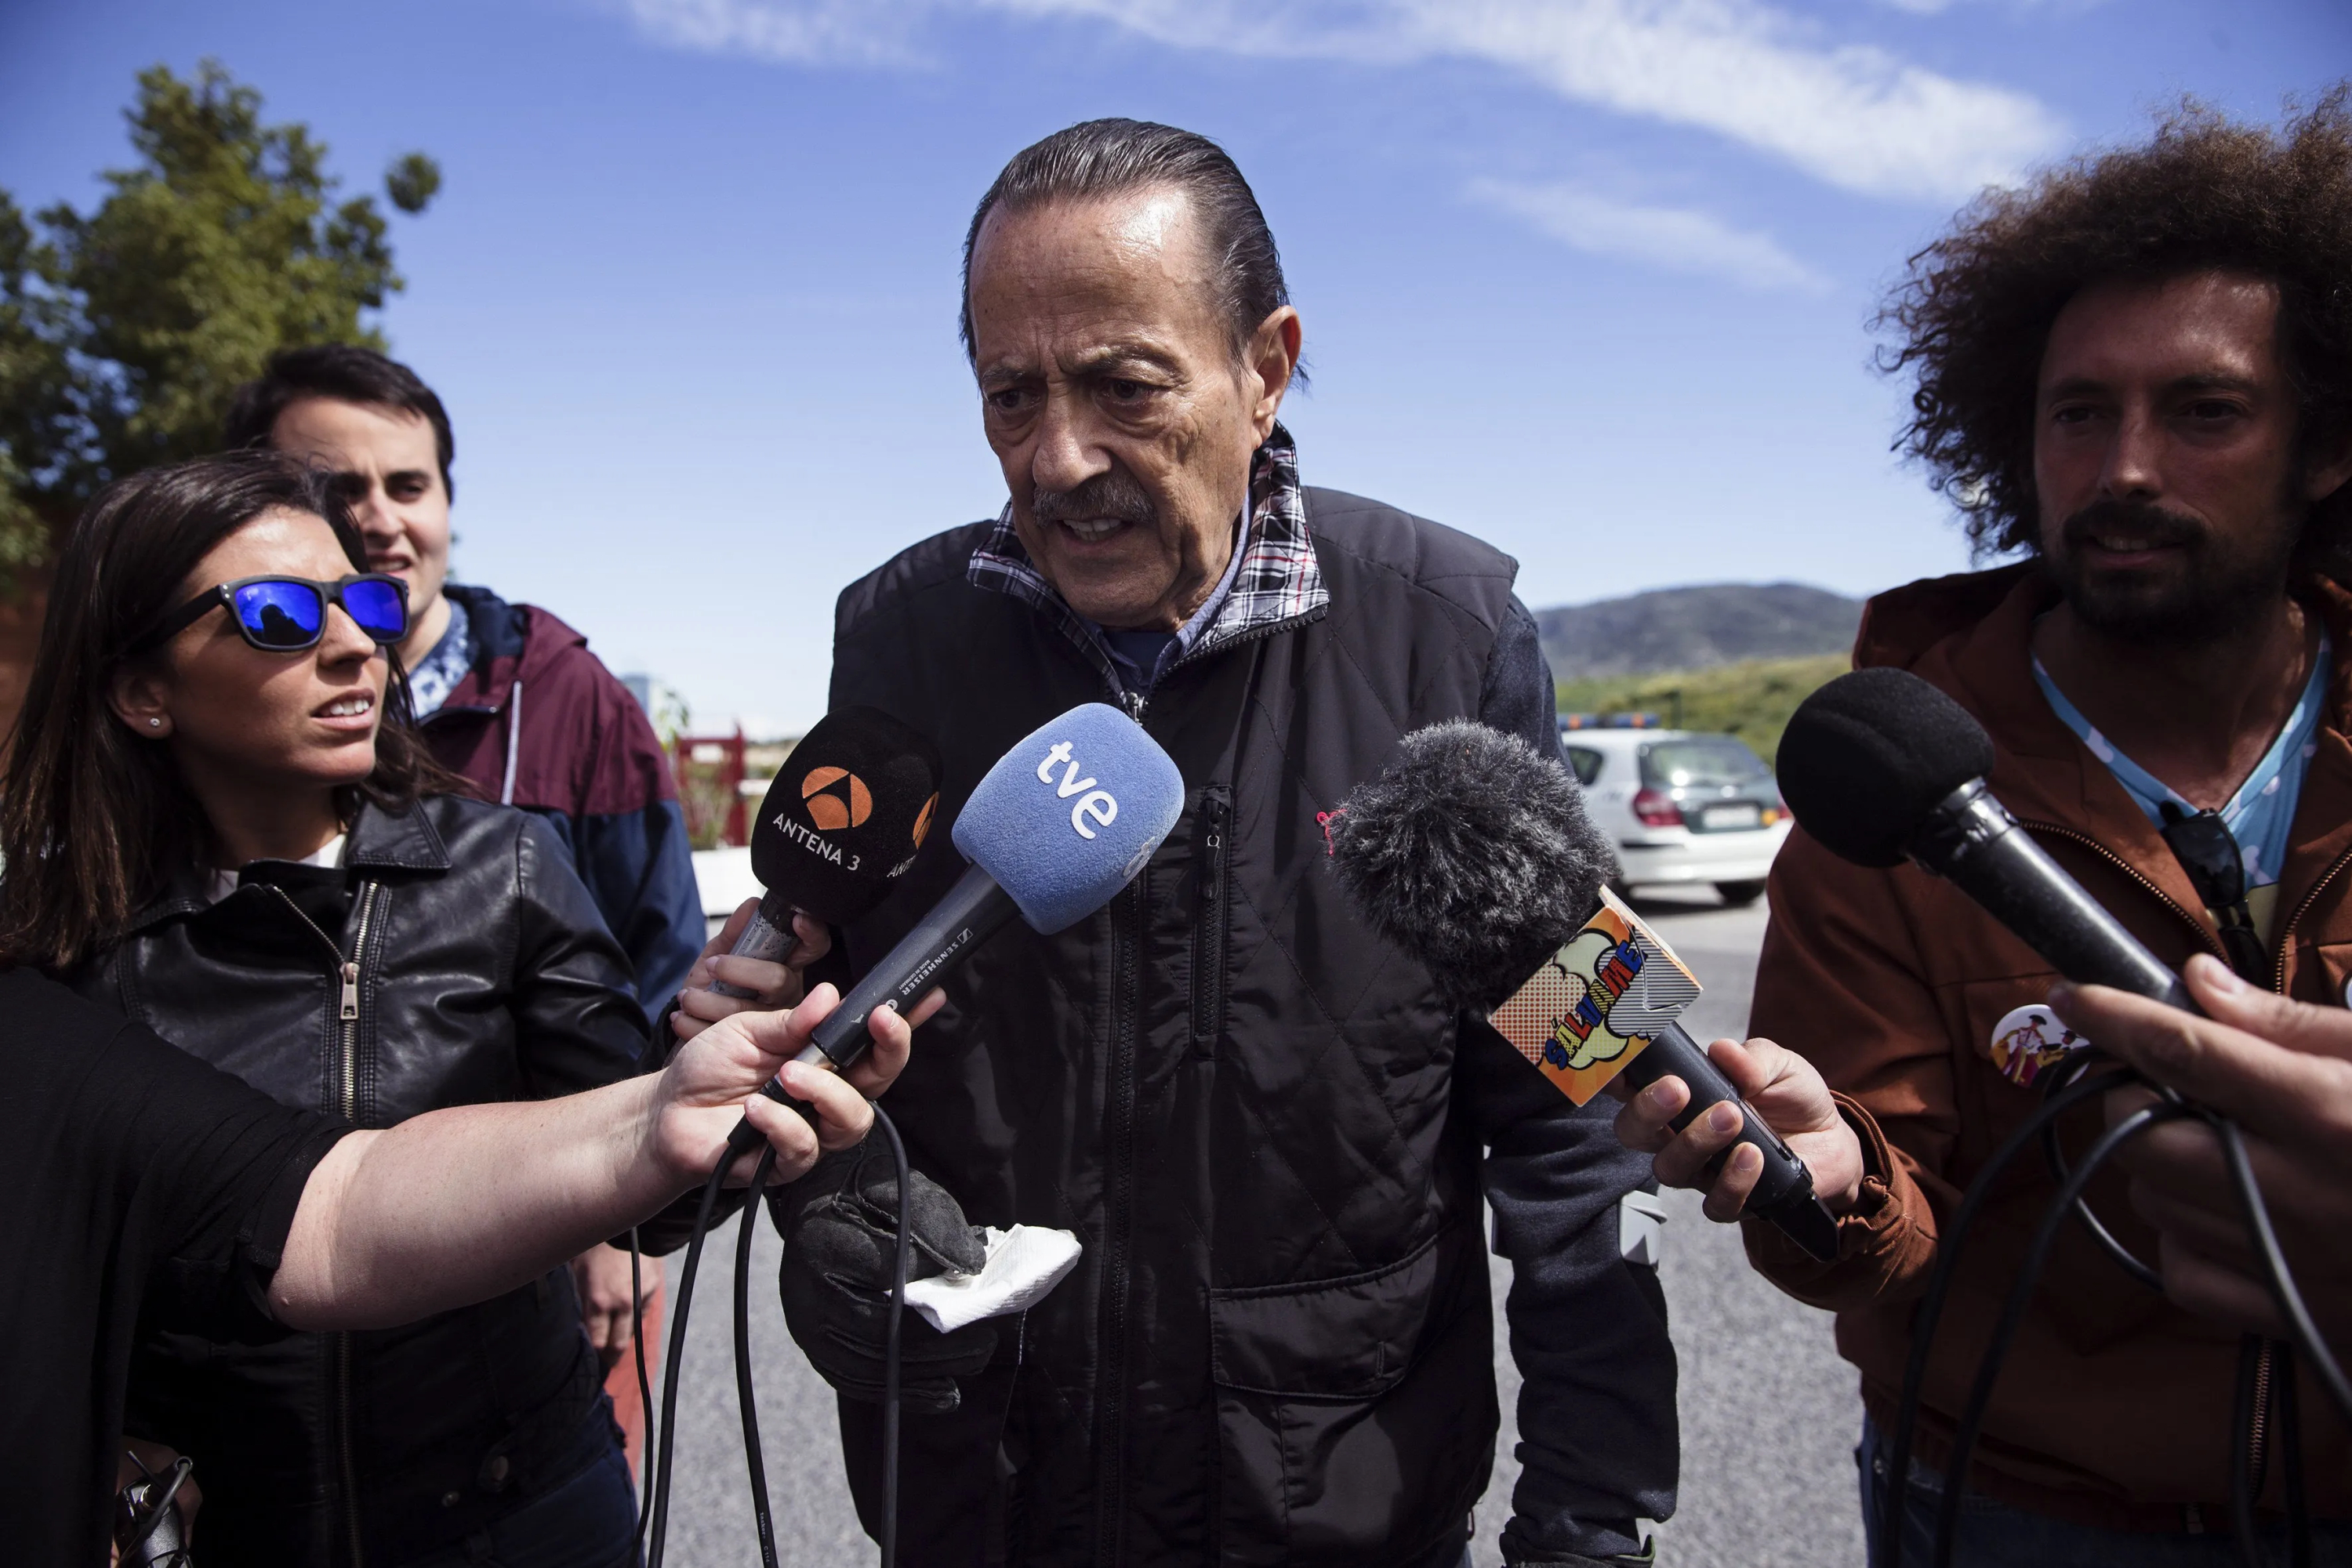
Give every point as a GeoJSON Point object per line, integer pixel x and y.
{"type": "Point", "coordinates": [1597, 1003]}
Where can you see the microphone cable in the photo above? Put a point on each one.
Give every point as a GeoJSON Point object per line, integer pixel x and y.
{"type": "Point", "coordinates": [657, 1515]}
{"type": "Point", "coordinates": [676, 1360]}
{"type": "Point", "coordinates": [2254, 1381]}
{"type": "Point", "coordinates": [900, 1255]}
{"type": "Point", "coordinates": [645, 1385]}
{"type": "Point", "coordinates": [2013, 1311]}
{"type": "Point", "coordinates": [755, 1458]}
{"type": "Point", "coordinates": [2055, 1158]}
{"type": "Point", "coordinates": [2074, 1088]}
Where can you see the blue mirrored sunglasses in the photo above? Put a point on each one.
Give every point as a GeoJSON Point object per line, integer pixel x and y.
{"type": "Point", "coordinates": [287, 614]}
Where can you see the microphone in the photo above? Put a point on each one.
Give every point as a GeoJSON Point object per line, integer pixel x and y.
{"type": "Point", "coordinates": [841, 822]}
{"type": "Point", "coordinates": [1880, 767]}
{"type": "Point", "coordinates": [1473, 853]}
{"type": "Point", "coordinates": [1065, 819]}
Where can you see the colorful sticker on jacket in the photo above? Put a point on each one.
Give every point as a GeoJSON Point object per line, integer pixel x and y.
{"type": "Point", "coordinates": [2028, 1039]}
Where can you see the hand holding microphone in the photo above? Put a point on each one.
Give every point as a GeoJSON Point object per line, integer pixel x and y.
{"type": "Point", "coordinates": [1054, 832]}
{"type": "Point", "coordinates": [841, 823]}
{"type": "Point", "coordinates": [2283, 1070]}
{"type": "Point", "coordinates": [1473, 853]}
{"type": "Point", "coordinates": [725, 981]}
{"type": "Point", "coordinates": [1782, 1088]}
{"type": "Point", "coordinates": [1881, 767]}
{"type": "Point", "coordinates": [1065, 820]}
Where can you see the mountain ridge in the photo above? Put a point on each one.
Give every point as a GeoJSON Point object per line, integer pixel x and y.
{"type": "Point", "coordinates": [1697, 627]}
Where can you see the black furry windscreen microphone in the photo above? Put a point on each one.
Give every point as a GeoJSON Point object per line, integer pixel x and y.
{"type": "Point", "coordinates": [1473, 853]}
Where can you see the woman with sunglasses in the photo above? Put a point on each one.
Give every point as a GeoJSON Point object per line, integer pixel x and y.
{"type": "Point", "coordinates": [217, 820]}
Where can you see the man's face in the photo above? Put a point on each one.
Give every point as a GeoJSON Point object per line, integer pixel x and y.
{"type": "Point", "coordinates": [2164, 456]}
{"type": "Point", "coordinates": [388, 471]}
{"type": "Point", "coordinates": [1110, 393]}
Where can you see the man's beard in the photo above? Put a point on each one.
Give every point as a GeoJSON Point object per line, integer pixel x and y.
{"type": "Point", "coordinates": [1113, 493]}
{"type": "Point", "coordinates": [2223, 589]}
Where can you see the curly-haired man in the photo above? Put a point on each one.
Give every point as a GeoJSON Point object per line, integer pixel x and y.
{"type": "Point", "coordinates": [2137, 372]}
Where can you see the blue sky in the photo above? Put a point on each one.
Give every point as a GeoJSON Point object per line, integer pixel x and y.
{"type": "Point", "coordinates": [1590, 278]}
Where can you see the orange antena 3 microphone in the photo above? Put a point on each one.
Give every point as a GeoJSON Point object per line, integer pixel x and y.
{"type": "Point", "coordinates": [840, 824]}
{"type": "Point", "coordinates": [1473, 854]}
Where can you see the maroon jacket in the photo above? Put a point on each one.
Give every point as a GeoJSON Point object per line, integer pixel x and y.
{"type": "Point", "coordinates": [538, 722]}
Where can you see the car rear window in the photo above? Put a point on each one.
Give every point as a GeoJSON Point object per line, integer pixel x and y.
{"type": "Point", "coordinates": [1585, 762]}
{"type": "Point", "coordinates": [1702, 760]}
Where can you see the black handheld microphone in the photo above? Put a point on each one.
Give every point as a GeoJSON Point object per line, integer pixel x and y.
{"type": "Point", "coordinates": [1053, 832]}
{"type": "Point", "coordinates": [1473, 853]}
{"type": "Point", "coordinates": [1880, 766]}
{"type": "Point", "coordinates": [842, 820]}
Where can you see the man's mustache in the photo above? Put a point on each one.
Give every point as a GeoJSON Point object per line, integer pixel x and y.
{"type": "Point", "coordinates": [2141, 521]}
{"type": "Point", "coordinates": [1113, 493]}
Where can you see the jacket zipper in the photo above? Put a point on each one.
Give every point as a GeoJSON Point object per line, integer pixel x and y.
{"type": "Point", "coordinates": [1238, 640]}
{"type": "Point", "coordinates": [2212, 943]}
{"type": "Point", "coordinates": [2257, 1449]}
{"type": "Point", "coordinates": [2257, 1446]}
{"type": "Point", "coordinates": [347, 1086]}
{"type": "Point", "coordinates": [1133, 702]}
{"type": "Point", "coordinates": [1111, 1404]}
{"type": "Point", "coordinates": [1127, 1009]}
{"type": "Point", "coordinates": [2286, 931]}
{"type": "Point", "coordinates": [1209, 931]}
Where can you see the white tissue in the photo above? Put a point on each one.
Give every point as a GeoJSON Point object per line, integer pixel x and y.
{"type": "Point", "coordinates": [1024, 1263]}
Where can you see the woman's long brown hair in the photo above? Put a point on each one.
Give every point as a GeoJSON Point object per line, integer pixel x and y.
{"type": "Point", "coordinates": [93, 821]}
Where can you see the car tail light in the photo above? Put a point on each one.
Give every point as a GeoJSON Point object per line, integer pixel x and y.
{"type": "Point", "coordinates": [1656, 808]}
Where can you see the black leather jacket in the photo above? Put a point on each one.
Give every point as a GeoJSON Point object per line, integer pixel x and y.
{"type": "Point", "coordinates": [453, 959]}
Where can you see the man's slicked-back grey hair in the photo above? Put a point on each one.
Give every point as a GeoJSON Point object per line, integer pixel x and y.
{"type": "Point", "coordinates": [1100, 158]}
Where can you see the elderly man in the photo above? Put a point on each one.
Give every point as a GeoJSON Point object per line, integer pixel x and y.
{"type": "Point", "coordinates": [1270, 1135]}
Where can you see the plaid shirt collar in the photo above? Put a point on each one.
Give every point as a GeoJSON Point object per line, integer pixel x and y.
{"type": "Point", "coordinates": [1278, 581]}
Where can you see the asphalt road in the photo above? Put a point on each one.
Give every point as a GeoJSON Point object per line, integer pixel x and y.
{"type": "Point", "coordinates": [1768, 1412]}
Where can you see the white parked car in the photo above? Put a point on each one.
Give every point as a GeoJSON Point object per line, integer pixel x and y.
{"type": "Point", "coordinates": [1681, 805]}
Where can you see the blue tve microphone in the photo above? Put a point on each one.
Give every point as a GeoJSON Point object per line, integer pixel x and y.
{"type": "Point", "coordinates": [1061, 823]}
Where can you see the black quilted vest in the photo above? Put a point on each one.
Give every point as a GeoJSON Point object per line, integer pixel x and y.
{"type": "Point", "coordinates": [1276, 1346]}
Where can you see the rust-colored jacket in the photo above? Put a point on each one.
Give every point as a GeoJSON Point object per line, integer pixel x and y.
{"type": "Point", "coordinates": [2114, 1407]}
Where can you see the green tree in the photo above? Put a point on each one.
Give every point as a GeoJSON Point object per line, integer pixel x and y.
{"type": "Point", "coordinates": [124, 331]}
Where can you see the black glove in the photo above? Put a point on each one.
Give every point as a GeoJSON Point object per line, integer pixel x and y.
{"type": "Point", "coordinates": [840, 1225]}
{"type": "Point", "coordinates": [1518, 1553]}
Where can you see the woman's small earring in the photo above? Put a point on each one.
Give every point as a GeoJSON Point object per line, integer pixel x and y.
{"type": "Point", "coordinates": [154, 723]}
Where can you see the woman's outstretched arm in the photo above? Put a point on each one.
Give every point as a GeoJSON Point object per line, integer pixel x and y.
{"type": "Point", "coordinates": [457, 1205]}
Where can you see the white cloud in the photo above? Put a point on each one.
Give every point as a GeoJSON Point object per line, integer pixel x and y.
{"type": "Point", "coordinates": [814, 32]}
{"type": "Point", "coordinates": [1851, 115]}
{"type": "Point", "coordinates": [1673, 238]}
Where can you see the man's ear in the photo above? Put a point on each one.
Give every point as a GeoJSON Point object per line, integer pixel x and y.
{"type": "Point", "coordinates": [141, 697]}
{"type": "Point", "coordinates": [2328, 471]}
{"type": "Point", "coordinates": [1273, 359]}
